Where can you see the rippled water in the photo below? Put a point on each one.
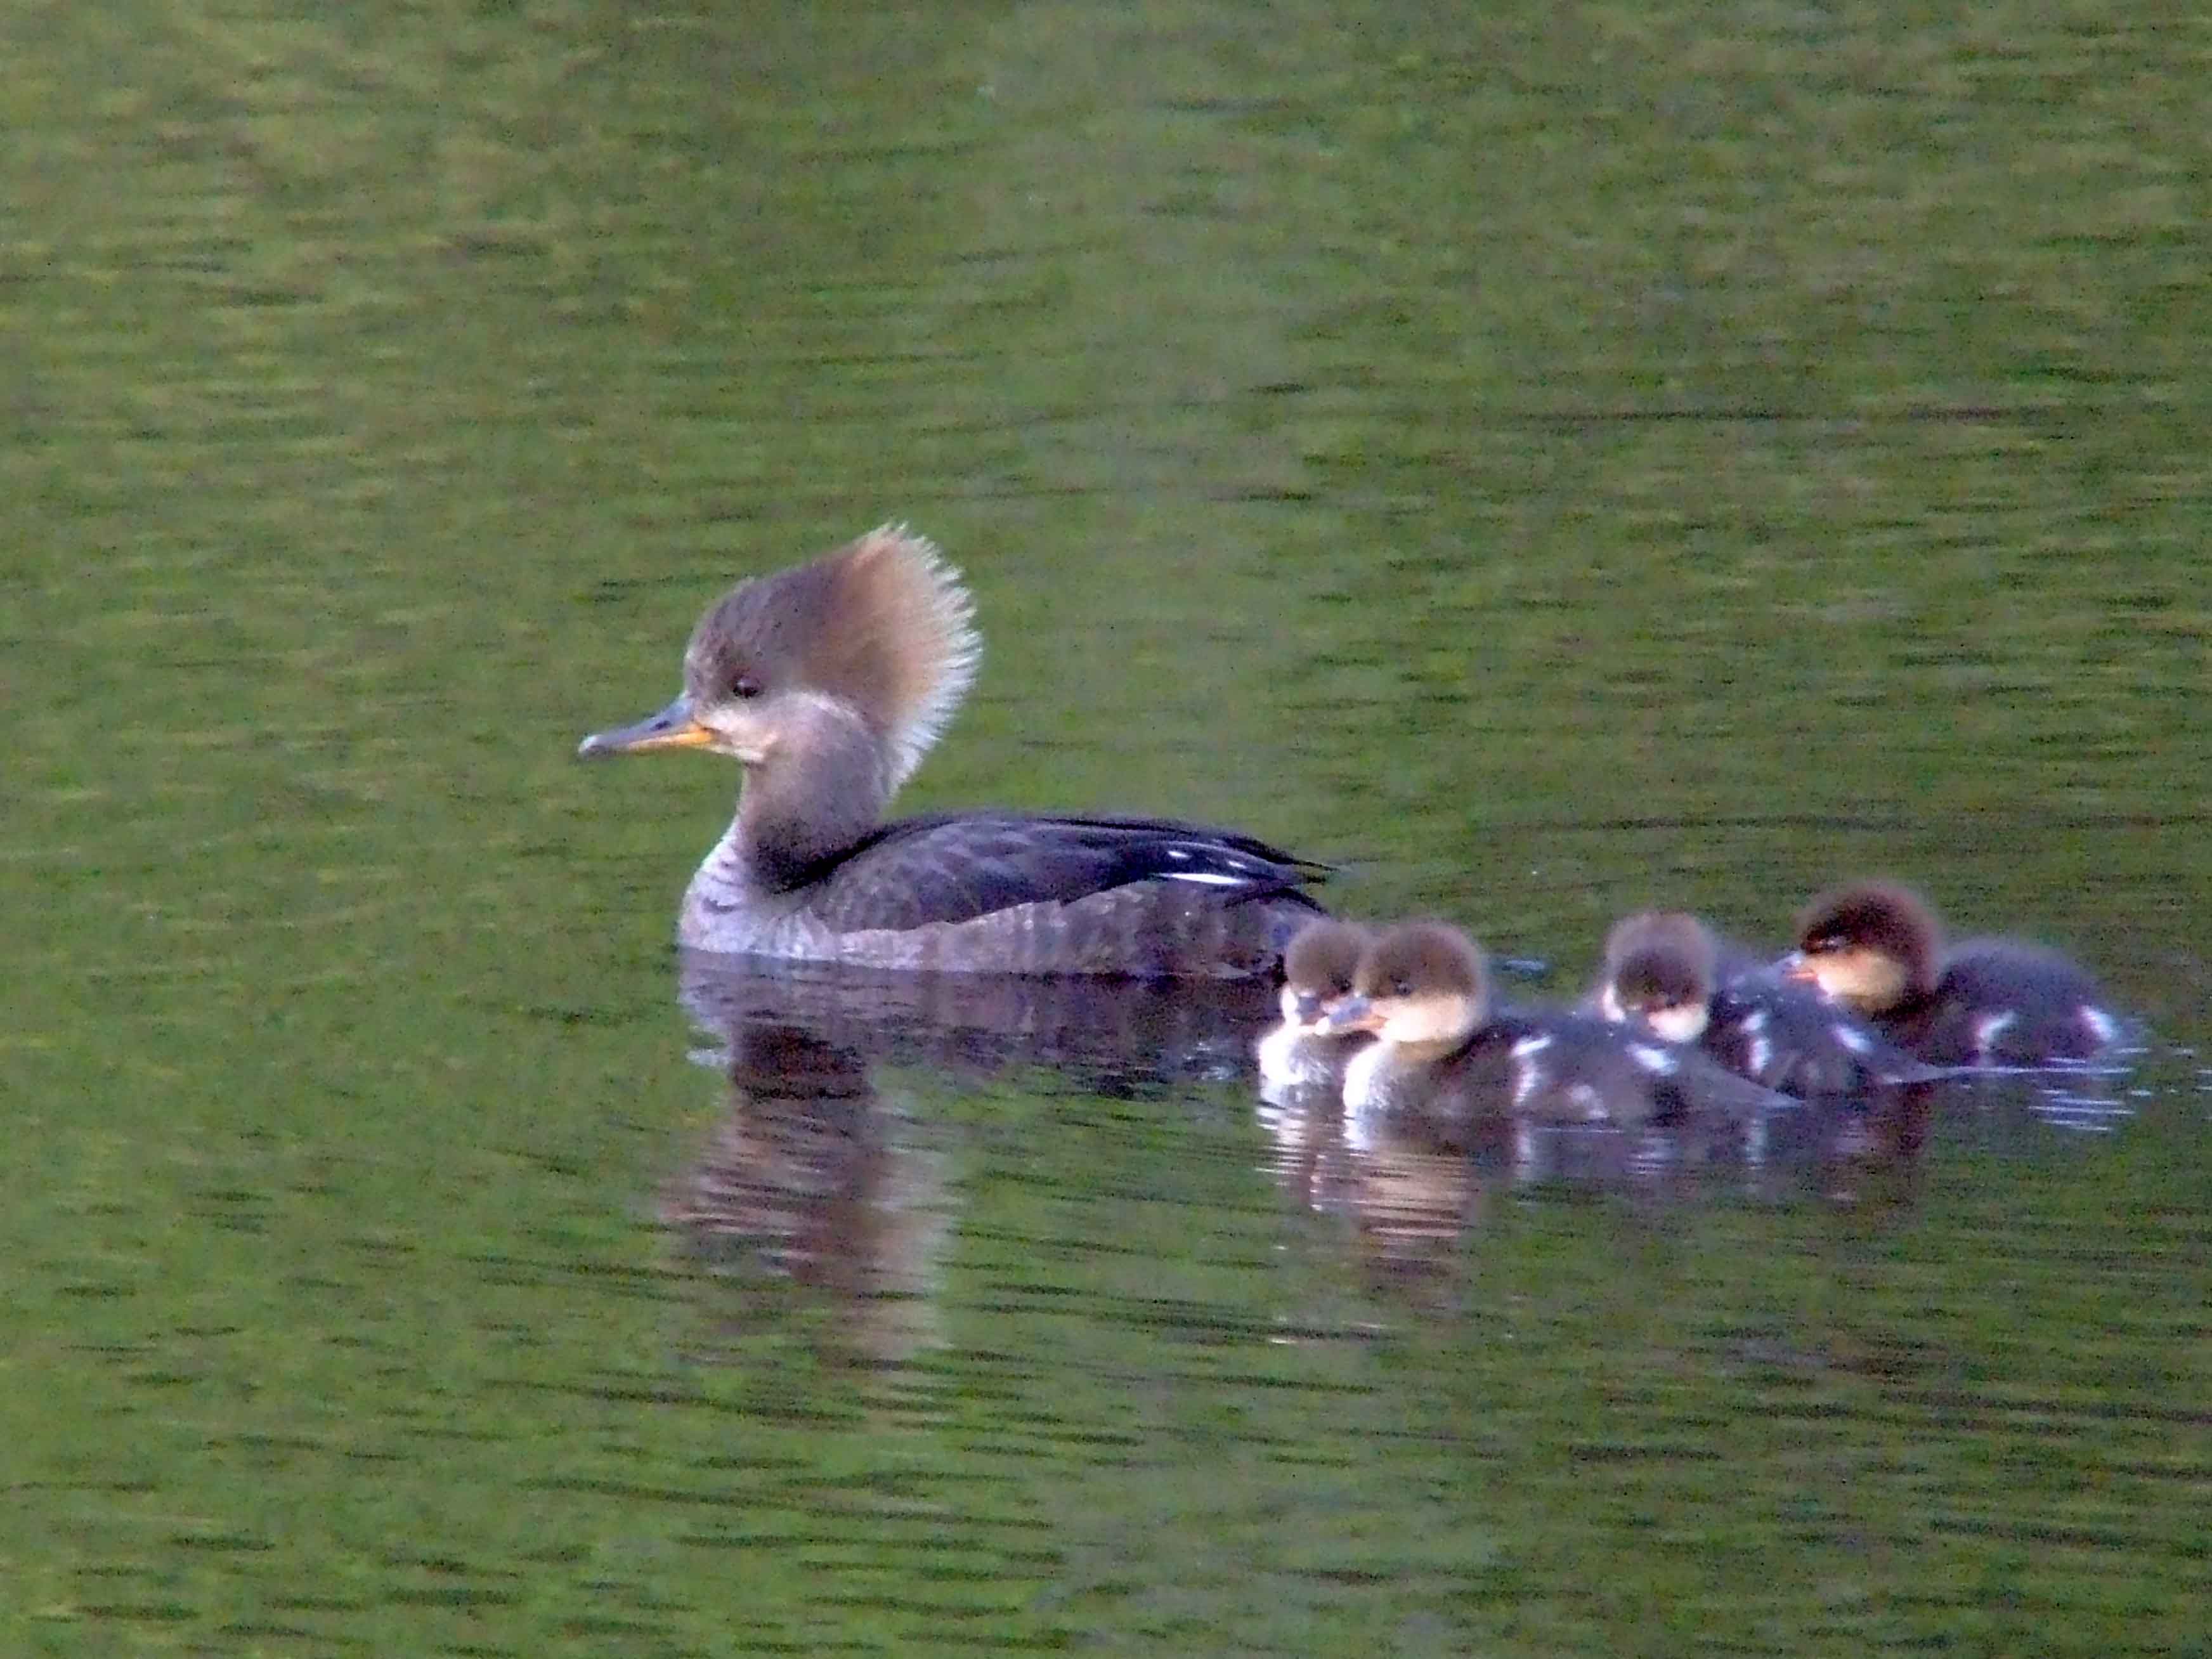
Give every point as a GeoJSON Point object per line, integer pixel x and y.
{"type": "Point", "coordinates": [1548, 460]}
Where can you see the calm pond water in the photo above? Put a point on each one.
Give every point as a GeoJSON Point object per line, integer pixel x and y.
{"type": "Point", "coordinates": [1548, 459]}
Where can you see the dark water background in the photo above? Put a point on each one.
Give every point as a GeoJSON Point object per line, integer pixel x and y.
{"type": "Point", "coordinates": [1551, 459]}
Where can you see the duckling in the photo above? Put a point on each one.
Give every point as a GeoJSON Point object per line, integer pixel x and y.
{"type": "Point", "coordinates": [1876, 947]}
{"type": "Point", "coordinates": [1665, 969]}
{"type": "Point", "coordinates": [1443, 1051]}
{"type": "Point", "coordinates": [1317, 970]}
{"type": "Point", "coordinates": [828, 683]}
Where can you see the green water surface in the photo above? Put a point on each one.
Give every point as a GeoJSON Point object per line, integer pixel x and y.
{"type": "Point", "coordinates": [1551, 459]}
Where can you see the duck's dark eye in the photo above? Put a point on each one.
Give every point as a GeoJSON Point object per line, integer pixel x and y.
{"type": "Point", "coordinates": [744, 688]}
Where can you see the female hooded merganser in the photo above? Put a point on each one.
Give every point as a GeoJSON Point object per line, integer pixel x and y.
{"type": "Point", "coordinates": [829, 681]}
{"type": "Point", "coordinates": [1317, 970]}
{"type": "Point", "coordinates": [1877, 948]}
{"type": "Point", "coordinates": [1664, 969]}
{"type": "Point", "coordinates": [1442, 1051]}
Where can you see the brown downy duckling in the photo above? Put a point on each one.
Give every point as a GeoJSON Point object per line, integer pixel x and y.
{"type": "Point", "coordinates": [1876, 948]}
{"type": "Point", "coordinates": [1317, 970]}
{"type": "Point", "coordinates": [1665, 970]}
{"type": "Point", "coordinates": [1442, 1050]}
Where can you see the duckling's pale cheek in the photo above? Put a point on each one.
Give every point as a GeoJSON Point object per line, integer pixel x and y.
{"type": "Point", "coordinates": [1684, 1023]}
{"type": "Point", "coordinates": [1867, 980]}
{"type": "Point", "coordinates": [1421, 1022]}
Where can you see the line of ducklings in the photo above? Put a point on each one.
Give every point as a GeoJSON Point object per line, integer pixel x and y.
{"type": "Point", "coordinates": [1680, 1023]}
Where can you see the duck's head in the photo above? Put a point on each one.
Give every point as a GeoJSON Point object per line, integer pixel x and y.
{"type": "Point", "coordinates": [1421, 986]}
{"type": "Point", "coordinates": [1318, 966]}
{"type": "Point", "coordinates": [1869, 945]}
{"type": "Point", "coordinates": [1660, 967]}
{"type": "Point", "coordinates": [844, 669]}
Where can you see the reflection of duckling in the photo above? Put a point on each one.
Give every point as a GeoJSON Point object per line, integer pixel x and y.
{"type": "Point", "coordinates": [1877, 948]}
{"type": "Point", "coordinates": [829, 681]}
{"type": "Point", "coordinates": [1665, 969]}
{"type": "Point", "coordinates": [1317, 970]}
{"type": "Point", "coordinates": [1442, 1052]}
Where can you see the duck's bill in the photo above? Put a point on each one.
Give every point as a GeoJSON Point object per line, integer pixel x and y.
{"type": "Point", "coordinates": [673, 727]}
{"type": "Point", "coordinates": [1354, 1013]}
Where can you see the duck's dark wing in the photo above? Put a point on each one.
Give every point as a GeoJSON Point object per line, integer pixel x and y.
{"type": "Point", "coordinates": [956, 866]}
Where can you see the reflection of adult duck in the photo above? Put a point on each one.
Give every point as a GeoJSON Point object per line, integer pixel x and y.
{"type": "Point", "coordinates": [1109, 1036]}
{"type": "Point", "coordinates": [1442, 1051]}
{"type": "Point", "coordinates": [810, 1175]}
{"type": "Point", "coordinates": [1877, 947]}
{"type": "Point", "coordinates": [1664, 970]}
{"type": "Point", "coordinates": [828, 683]}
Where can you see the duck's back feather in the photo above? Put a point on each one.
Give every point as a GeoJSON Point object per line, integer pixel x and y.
{"type": "Point", "coordinates": [955, 868]}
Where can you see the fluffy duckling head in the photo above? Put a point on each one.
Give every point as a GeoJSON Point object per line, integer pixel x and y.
{"type": "Point", "coordinates": [1869, 945]}
{"type": "Point", "coordinates": [1421, 986]}
{"type": "Point", "coordinates": [1318, 968]}
{"type": "Point", "coordinates": [1660, 969]}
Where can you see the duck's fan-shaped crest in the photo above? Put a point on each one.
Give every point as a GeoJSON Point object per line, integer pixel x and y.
{"type": "Point", "coordinates": [883, 625]}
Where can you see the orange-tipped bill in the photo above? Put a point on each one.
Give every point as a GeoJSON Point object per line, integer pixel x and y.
{"type": "Point", "coordinates": [673, 727]}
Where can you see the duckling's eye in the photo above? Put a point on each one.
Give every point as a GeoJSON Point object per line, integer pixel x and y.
{"type": "Point", "coordinates": [744, 688]}
{"type": "Point", "coordinates": [1399, 988]}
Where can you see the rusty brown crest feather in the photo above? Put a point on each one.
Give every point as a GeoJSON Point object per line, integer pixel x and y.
{"type": "Point", "coordinates": [882, 624]}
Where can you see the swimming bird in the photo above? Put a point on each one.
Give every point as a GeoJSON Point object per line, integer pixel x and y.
{"type": "Point", "coordinates": [1317, 972]}
{"type": "Point", "coordinates": [1443, 1051]}
{"type": "Point", "coordinates": [827, 682]}
{"type": "Point", "coordinates": [1876, 947]}
{"type": "Point", "coordinates": [1665, 970]}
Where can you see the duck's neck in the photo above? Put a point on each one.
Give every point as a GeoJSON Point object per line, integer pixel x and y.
{"type": "Point", "coordinates": [823, 787]}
